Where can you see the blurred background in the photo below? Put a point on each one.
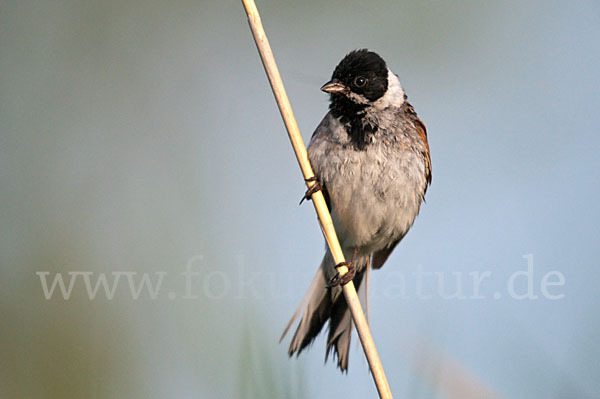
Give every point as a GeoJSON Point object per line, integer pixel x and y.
{"type": "Point", "coordinates": [140, 140]}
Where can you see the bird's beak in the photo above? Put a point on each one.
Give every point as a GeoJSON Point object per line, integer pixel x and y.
{"type": "Point", "coordinates": [334, 87]}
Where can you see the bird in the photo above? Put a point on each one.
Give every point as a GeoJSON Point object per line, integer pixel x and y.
{"type": "Point", "coordinates": [371, 160]}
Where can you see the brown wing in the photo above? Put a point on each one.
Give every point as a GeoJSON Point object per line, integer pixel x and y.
{"type": "Point", "coordinates": [381, 256]}
{"type": "Point", "coordinates": [422, 130]}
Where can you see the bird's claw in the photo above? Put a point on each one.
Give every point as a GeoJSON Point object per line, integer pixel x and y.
{"type": "Point", "coordinates": [313, 189]}
{"type": "Point", "coordinates": [338, 279]}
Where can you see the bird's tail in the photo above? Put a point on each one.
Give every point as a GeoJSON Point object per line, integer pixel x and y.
{"type": "Point", "coordinates": [322, 304]}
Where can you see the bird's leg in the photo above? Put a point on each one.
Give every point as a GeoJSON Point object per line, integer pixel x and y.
{"type": "Point", "coordinates": [343, 280]}
{"type": "Point", "coordinates": [313, 189]}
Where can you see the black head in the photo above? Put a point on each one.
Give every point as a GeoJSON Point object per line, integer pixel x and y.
{"type": "Point", "coordinates": [361, 77]}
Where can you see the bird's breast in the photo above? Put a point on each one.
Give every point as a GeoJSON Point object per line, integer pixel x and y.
{"type": "Point", "coordinates": [375, 192]}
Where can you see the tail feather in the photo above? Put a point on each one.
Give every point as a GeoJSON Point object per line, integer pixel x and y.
{"type": "Point", "coordinates": [308, 303]}
{"type": "Point", "coordinates": [340, 324]}
{"type": "Point", "coordinates": [321, 304]}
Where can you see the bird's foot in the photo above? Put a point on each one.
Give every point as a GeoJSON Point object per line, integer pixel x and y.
{"type": "Point", "coordinates": [313, 189]}
{"type": "Point", "coordinates": [338, 279]}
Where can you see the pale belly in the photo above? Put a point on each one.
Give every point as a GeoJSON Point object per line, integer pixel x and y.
{"type": "Point", "coordinates": [376, 195]}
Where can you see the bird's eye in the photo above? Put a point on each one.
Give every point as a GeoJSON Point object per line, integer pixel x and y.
{"type": "Point", "coordinates": [360, 81]}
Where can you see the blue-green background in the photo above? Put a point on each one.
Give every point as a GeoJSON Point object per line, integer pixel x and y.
{"type": "Point", "coordinates": [136, 135]}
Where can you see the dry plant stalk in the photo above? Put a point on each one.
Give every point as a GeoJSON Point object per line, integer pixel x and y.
{"type": "Point", "coordinates": [318, 200]}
